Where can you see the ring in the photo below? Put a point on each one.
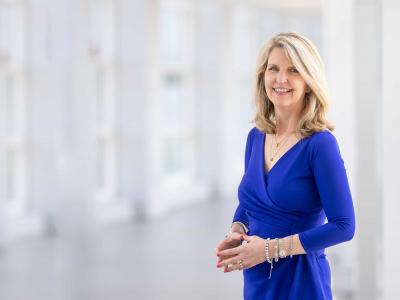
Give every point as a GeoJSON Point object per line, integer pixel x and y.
{"type": "Point", "coordinates": [240, 263]}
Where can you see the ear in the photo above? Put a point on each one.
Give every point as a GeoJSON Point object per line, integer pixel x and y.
{"type": "Point", "coordinates": [308, 90]}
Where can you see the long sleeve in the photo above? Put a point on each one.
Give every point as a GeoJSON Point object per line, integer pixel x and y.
{"type": "Point", "coordinates": [240, 214]}
{"type": "Point", "coordinates": [332, 184]}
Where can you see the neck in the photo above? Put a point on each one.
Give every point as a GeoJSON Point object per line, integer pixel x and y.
{"type": "Point", "coordinates": [286, 121]}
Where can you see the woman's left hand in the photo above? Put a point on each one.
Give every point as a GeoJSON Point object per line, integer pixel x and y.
{"type": "Point", "coordinates": [246, 255]}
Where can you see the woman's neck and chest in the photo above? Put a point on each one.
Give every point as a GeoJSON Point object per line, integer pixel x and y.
{"type": "Point", "coordinates": [276, 145]}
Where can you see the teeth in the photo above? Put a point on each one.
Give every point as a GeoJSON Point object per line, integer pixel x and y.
{"type": "Point", "coordinates": [282, 90]}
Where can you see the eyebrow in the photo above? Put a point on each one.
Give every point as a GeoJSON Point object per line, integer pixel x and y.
{"type": "Point", "coordinates": [274, 65]}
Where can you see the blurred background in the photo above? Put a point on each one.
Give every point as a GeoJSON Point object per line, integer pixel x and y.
{"type": "Point", "coordinates": [122, 134]}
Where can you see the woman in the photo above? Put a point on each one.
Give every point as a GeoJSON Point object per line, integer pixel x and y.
{"type": "Point", "coordinates": [294, 179]}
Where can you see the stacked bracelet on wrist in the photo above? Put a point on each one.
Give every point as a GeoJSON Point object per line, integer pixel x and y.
{"type": "Point", "coordinates": [280, 251]}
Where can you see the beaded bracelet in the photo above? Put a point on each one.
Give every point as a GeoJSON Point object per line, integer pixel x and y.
{"type": "Point", "coordinates": [271, 261]}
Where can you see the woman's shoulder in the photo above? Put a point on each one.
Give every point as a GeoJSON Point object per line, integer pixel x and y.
{"type": "Point", "coordinates": [323, 141]}
{"type": "Point", "coordinates": [254, 132]}
{"type": "Point", "coordinates": [322, 137]}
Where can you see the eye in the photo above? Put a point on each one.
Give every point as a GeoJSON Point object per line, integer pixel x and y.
{"type": "Point", "coordinates": [272, 68]}
{"type": "Point", "coordinates": [293, 70]}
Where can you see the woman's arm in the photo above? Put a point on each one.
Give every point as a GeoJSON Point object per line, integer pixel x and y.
{"type": "Point", "coordinates": [333, 187]}
{"type": "Point", "coordinates": [331, 181]}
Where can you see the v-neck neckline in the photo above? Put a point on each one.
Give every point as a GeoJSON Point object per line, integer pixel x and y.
{"type": "Point", "coordinates": [264, 137]}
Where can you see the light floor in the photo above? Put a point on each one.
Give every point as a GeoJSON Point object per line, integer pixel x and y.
{"type": "Point", "coordinates": [171, 258]}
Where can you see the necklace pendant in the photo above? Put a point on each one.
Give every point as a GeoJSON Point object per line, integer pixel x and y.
{"type": "Point", "coordinates": [272, 159]}
{"type": "Point", "coordinates": [277, 144]}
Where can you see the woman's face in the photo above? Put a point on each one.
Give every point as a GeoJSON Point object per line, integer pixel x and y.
{"type": "Point", "coordinates": [283, 83]}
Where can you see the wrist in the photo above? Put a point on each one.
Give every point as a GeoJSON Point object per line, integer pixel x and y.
{"type": "Point", "coordinates": [285, 246]}
{"type": "Point", "coordinates": [238, 227]}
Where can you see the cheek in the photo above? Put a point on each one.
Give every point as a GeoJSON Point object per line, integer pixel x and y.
{"type": "Point", "coordinates": [268, 80]}
{"type": "Point", "coordinates": [268, 90]}
{"type": "Point", "coordinates": [302, 87]}
{"type": "Point", "coordinates": [268, 84]}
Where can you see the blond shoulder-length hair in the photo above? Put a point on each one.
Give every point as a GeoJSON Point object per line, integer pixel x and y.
{"type": "Point", "coordinates": [306, 59]}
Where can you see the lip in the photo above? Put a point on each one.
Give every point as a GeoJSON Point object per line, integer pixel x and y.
{"type": "Point", "coordinates": [283, 91]}
{"type": "Point", "coordinates": [282, 88]}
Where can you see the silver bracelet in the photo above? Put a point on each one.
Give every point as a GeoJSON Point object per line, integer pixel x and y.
{"type": "Point", "coordinates": [291, 246]}
{"type": "Point", "coordinates": [282, 251]}
{"type": "Point", "coordinates": [276, 250]}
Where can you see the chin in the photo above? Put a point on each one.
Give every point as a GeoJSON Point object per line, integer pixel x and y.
{"type": "Point", "coordinates": [281, 103]}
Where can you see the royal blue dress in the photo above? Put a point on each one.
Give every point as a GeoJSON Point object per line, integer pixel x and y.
{"type": "Point", "coordinates": [306, 186]}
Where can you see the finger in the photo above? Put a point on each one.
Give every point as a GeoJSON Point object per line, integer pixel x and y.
{"type": "Point", "coordinates": [232, 251]}
{"type": "Point", "coordinates": [220, 259]}
{"type": "Point", "coordinates": [222, 246]}
{"type": "Point", "coordinates": [237, 266]}
{"type": "Point", "coordinates": [247, 238]}
{"type": "Point", "coordinates": [238, 237]}
{"type": "Point", "coordinates": [232, 261]}
{"type": "Point", "coordinates": [227, 261]}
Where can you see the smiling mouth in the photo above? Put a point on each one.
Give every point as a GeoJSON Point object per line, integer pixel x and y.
{"type": "Point", "coordinates": [281, 90]}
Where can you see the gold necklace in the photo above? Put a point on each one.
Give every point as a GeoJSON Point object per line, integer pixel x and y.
{"type": "Point", "coordinates": [276, 142]}
{"type": "Point", "coordinates": [279, 145]}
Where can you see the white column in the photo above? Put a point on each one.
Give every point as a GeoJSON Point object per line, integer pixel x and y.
{"type": "Point", "coordinates": [209, 53]}
{"type": "Point", "coordinates": [240, 48]}
{"type": "Point", "coordinates": [97, 86]}
{"type": "Point", "coordinates": [18, 209]}
{"type": "Point", "coordinates": [135, 34]}
{"type": "Point", "coordinates": [53, 123]}
{"type": "Point", "coordinates": [172, 180]}
{"type": "Point", "coordinates": [368, 94]}
{"type": "Point", "coordinates": [338, 55]}
{"type": "Point", "coordinates": [390, 149]}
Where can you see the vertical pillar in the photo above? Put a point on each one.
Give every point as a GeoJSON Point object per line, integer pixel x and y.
{"type": "Point", "coordinates": [135, 34]}
{"type": "Point", "coordinates": [389, 158]}
{"type": "Point", "coordinates": [368, 95]}
{"type": "Point", "coordinates": [338, 55]}
{"type": "Point", "coordinates": [17, 208]}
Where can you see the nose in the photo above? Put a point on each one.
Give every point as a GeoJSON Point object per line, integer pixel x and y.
{"type": "Point", "coordinates": [281, 77]}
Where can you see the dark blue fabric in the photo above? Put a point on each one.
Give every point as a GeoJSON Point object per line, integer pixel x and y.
{"type": "Point", "coordinates": [307, 186]}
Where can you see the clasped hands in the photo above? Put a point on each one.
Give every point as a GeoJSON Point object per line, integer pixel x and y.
{"type": "Point", "coordinates": [239, 251]}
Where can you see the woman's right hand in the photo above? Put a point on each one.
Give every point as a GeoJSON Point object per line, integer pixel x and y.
{"type": "Point", "coordinates": [233, 240]}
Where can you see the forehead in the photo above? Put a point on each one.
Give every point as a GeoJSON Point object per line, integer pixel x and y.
{"type": "Point", "coordinates": [278, 57]}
